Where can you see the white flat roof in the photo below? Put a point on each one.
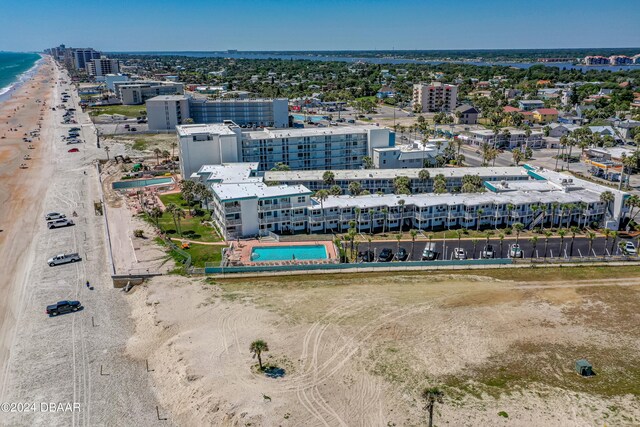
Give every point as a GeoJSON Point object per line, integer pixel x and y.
{"type": "Point", "coordinates": [229, 173]}
{"type": "Point", "coordinates": [363, 174]}
{"type": "Point", "coordinates": [196, 129]}
{"type": "Point", "coordinates": [256, 190]}
{"type": "Point", "coordinates": [160, 98]}
{"type": "Point", "coordinates": [294, 132]}
{"type": "Point", "coordinates": [469, 199]}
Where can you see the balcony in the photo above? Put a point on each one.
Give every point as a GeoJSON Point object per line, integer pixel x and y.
{"type": "Point", "coordinates": [229, 222]}
{"type": "Point", "coordinates": [232, 209]}
{"type": "Point", "coordinates": [274, 207]}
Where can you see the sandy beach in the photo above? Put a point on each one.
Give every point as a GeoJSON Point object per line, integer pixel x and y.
{"type": "Point", "coordinates": [21, 190]}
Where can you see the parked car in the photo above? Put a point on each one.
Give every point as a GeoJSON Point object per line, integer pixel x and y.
{"type": "Point", "coordinates": [74, 141]}
{"type": "Point", "coordinates": [629, 248]}
{"type": "Point", "coordinates": [401, 255]}
{"type": "Point", "coordinates": [57, 223]}
{"type": "Point", "coordinates": [62, 307]}
{"type": "Point", "coordinates": [73, 150]}
{"type": "Point", "coordinates": [54, 215]}
{"type": "Point", "coordinates": [429, 253]}
{"type": "Point", "coordinates": [351, 121]}
{"type": "Point", "coordinates": [487, 252]}
{"type": "Point", "coordinates": [385, 255]}
{"type": "Point", "coordinates": [63, 259]}
{"type": "Point", "coordinates": [515, 251]}
{"type": "Point", "coordinates": [366, 256]}
{"type": "Point", "coordinates": [459, 253]}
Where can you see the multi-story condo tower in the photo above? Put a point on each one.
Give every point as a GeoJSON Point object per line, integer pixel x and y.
{"type": "Point", "coordinates": [435, 97]}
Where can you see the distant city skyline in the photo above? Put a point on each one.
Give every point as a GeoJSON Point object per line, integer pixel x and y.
{"type": "Point", "coordinates": [257, 25]}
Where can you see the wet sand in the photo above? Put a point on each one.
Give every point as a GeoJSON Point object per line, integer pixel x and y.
{"type": "Point", "coordinates": [22, 191]}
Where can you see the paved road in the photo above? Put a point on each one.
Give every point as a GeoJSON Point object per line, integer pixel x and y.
{"type": "Point", "coordinates": [554, 249]}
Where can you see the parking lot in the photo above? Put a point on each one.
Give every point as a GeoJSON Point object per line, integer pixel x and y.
{"type": "Point", "coordinates": [79, 357]}
{"type": "Point", "coordinates": [556, 248]}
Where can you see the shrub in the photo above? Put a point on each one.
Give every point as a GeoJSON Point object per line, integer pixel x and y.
{"type": "Point", "coordinates": [138, 233]}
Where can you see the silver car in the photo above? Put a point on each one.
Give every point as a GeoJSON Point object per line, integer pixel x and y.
{"type": "Point", "coordinates": [54, 215]}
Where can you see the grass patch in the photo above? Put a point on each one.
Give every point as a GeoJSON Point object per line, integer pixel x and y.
{"type": "Point", "coordinates": [617, 371]}
{"type": "Point", "coordinates": [123, 110]}
{"type": "Point", "coordinates": [140, 144]}
{"type": "Point", "coordinates": [533, 274]}
{"type": "Point", "coordinates": [200, 255]}
{"type": "Point", "coordinates": [192, 227]}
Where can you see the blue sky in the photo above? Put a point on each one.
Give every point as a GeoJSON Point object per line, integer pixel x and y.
{"type": "Point", "coordinates": [118, 25]}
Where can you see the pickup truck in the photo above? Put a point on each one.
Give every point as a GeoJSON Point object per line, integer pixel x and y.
{"type": "Point", "coordinates": [62, 307]}
{"type": "Point", "coordinates": [63, 259]}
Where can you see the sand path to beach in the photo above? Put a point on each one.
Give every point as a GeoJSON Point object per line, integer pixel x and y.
{"type": "Point", "coordinates": [22, 190]}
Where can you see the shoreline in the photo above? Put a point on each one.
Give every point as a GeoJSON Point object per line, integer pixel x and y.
{"type": "Point", "coordinates": [7, 91]}
{"type": "Point", "coordinates": [22, 191]}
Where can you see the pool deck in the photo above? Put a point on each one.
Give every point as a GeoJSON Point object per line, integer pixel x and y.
{"type": "Point", "coordinates": [241, 253]}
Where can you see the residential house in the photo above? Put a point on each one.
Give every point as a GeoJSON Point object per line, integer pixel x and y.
{"type": "Point", "coordinates": [545, 115]}
{"type": "Point", "coordinates": [466, 115]}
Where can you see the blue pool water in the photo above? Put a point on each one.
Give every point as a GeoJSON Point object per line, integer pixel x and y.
{"type": "Point", "coordinates": [141, 182]}
{"type": "Point", "coordinates": [314, 119]}
{"type": "Point", "coordinates": [286, 253]}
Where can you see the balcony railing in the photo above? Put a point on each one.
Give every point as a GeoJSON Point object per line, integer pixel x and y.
{"type": "Point", "coordinates": [232, 209]}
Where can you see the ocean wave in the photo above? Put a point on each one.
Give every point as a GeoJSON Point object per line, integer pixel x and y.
{"type": "Point", "coordinates": [20, 79]}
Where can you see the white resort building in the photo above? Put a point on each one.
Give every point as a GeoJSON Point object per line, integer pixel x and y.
{"type": "Point", "coordinates": [245, 205]}
{"type": "Point", "coordinates": [341, 147]}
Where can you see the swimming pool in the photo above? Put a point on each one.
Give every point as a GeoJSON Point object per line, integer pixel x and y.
{"type": "Point", "coordinates": [314, 119]}
{"type": "Point", "coordinates": [287, 253]}
{"type": "Point", "coordinates": [141, 182]}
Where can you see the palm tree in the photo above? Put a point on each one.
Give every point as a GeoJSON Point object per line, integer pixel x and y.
{"type": "Point", "coordinates": [518, 226]}
{"type": "Point", "coordinates": [501, 237]}
{"type": "Point", "coordinates": [358, 212]}
{"type": "Point", "coordinates": [475, 243]}
{"type": "Point", "coordinates": [574, 230]}
{"type": "Point", "coordinates": [479, 213]}
{"type": "Point", "coordinates": [172, 208]}
{"type": "Point", "coordinates": [401, 203]}
{"type": "Point", "coordinates": [157, 152]}
{"type": "Point", "coordinates": [424, 176]}
{"type": "Point", "coordinates": [432, 395]}
{"type": "Point", "coordinates": [398, 238]}
{"type": "Point", "coordinates": [106, 150]}
{"type": "Point", "coordinates": [510, 208]}
{"type": "Point", "coordinates": [591, 236]}
{"type": "Point", "coordinates": [174, 144]}
{"type": "Point", "coordinates": [257, 347]}
{"type": "Point", "coordinates": [614, 237]}
{"type": "Point", "coordinates": [607, 233]}
{"type": "Point", "coordinates": [385, 212]}
{"type": "Point", "coordinates": [534, 243]}
{"type": "Point", "coordinates": [322, 195]}
{"type": "Point", "coordinates": [370, 212]}
{"type": "Point", "coordinates": [547, 234]}
{"type": "Point", "coordinates": [155, 213]}
{"type": "Point", "coordinates": [414, 234]}
{"type": "Point", "coordinates": [561, 233]}
{"type": "Point", "coordinates": [459, 234]}
{"type": "Point", "coordinates": [178, 215]}
{"type": "Point", "coordinates": [329, 178]}
{"type": "Point", "coordinates": [607, 197]}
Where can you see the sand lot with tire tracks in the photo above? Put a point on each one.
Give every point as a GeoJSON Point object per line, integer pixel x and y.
{"type": "Point", "coordinates": [358, 352]}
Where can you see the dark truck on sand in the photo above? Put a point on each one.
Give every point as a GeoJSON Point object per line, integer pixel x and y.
{"type": "Point", "coordinates": [62, 307]}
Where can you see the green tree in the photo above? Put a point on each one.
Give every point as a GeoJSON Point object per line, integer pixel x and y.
{"type": "Point", "coordinates": [329, 178]}
{"type": "Point", "coordinates": [367, 162]}
{"type": "Point", "coordinates": [414, 234]}
{"type": "Point", "coordinates": [322, 195]}
{"type": "Point", "coordinates": [335, 190]}
{"type": "Point", "coordinates": [518, 227]}
{"type": "Point", "coordinates": [258, 347]}
{"type": "Point", "coordinates": [432, 396]}
{"type": "Point", "coordinates": [355, 188]}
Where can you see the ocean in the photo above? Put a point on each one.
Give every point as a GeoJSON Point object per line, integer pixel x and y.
{"type": "Point", "coordinates": [14, 68]}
